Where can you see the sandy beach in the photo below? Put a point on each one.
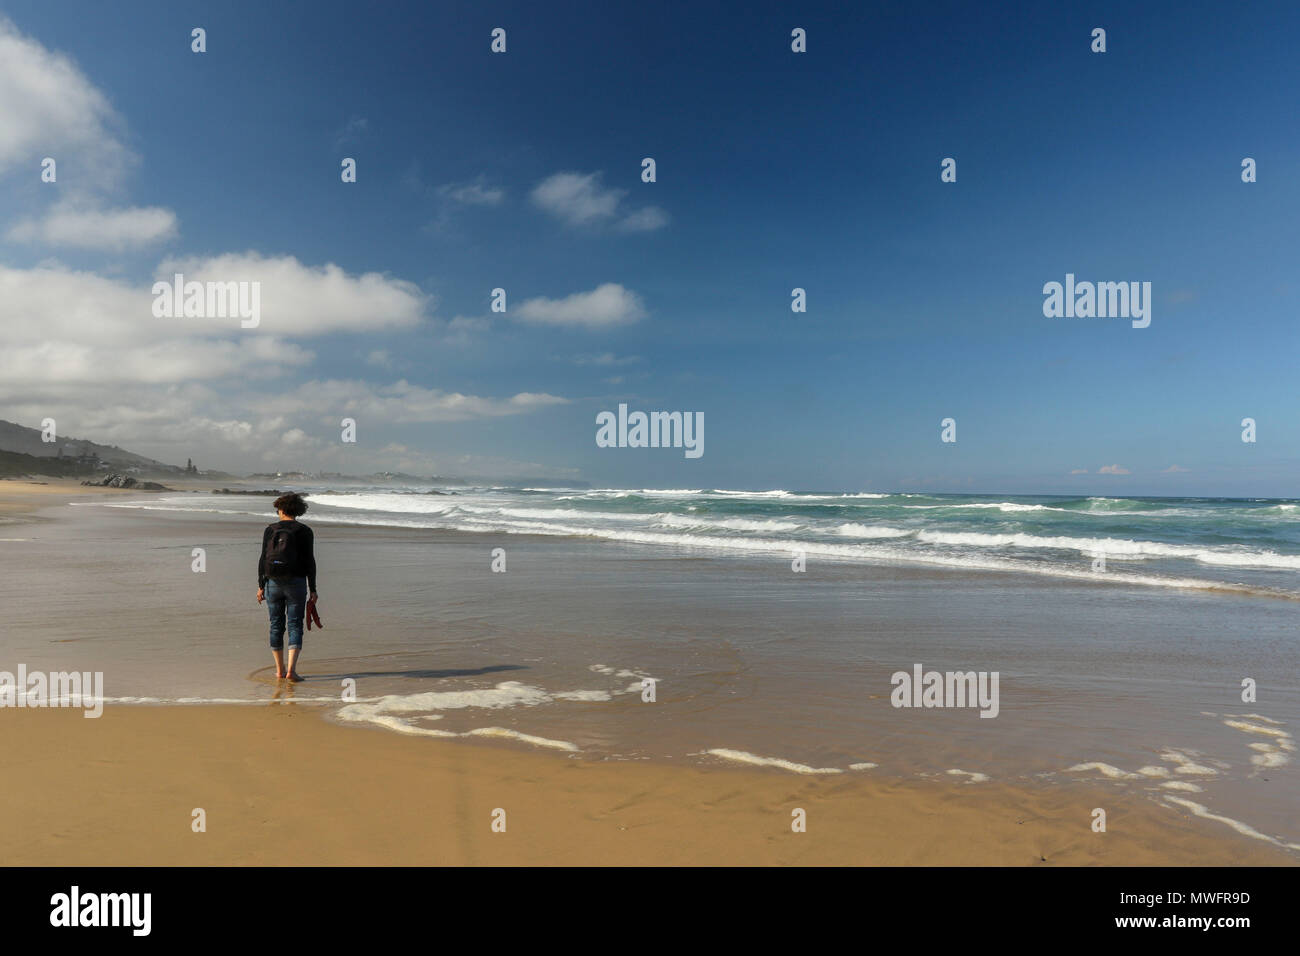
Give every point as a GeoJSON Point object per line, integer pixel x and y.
{"type": "Point", "coordinates": [22, 497]}
{"type": "Point", "coordinates": [279, 786]}
{"type": "Point", "coordinates": [282, 784]}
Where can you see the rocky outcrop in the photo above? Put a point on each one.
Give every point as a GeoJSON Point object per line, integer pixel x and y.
{"type": "Point", "coordinates": [266, 492]}
{"type": "Point", "coordinates": [125, 481]}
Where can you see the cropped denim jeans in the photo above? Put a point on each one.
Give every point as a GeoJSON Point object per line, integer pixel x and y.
{"type": "Point", "coordinates": [286, 600]}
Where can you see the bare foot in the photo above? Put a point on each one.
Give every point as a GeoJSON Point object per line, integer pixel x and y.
{"type": "Point", "coordinates": [295, 677]}
{"type": "Point", "coordinates": [279, 675]}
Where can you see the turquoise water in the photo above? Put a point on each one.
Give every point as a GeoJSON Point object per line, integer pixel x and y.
{"type": "Point", "coordinates": [1242, 545]}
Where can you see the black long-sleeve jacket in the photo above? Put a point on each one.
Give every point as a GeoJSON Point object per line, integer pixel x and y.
{"type": "Point", "coordinates": [306, 555]}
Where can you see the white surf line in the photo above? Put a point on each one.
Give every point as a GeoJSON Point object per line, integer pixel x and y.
{"type": "Point", "coordinates": [1184, 765]}
{"type": "Point", "coordinates": [856, 553]}
{"type": "Point", "coordinates": [1243, 828]}
{"type": "Point", "coordinates": [1260, 717]}
{"type": "Point", "coordinates": [638, 678]}
{"type": "Point", "coordinates": [1268, 757]}
{"type": "Point", "coordinates": [1269, 754]}
{"type": "Point", "coordinates": [744, 756]}
{"type": "Point", "coordinates": [1248, 728]}
{"type": "Point", "coordinates": [974, 777]}
{"type": "Point", "coordinates": [1105, 769]}
{"type": "Point", "coordinates": [429, 705]}
{"type": "Point", "coordinates": [522, 737]}
{"type": "Point", "coordinates": [403, 726]}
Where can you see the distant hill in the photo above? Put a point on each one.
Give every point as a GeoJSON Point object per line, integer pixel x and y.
{"type": "Point", "coordinates": [24, 453]}
{"type": "Point", "coordinates": [22, 440]}
{"type": "Point", "coordinates": [15, 464]}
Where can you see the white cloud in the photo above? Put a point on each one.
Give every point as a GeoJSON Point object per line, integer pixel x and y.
{"type": "Point", "coordinates": [69, 224]}
{"type": "Point", "coordinates": [297, 299]}
{"type": "Point", "coordinates": [579, 199]}
{"type": "Point", "coordinates": [1172, 469]}
{"type": "Point", "coordinates": [404, 403]}
{"type": "Point", "coordinates": [1112, 470]}
{"type": "Point", "coordinates": [350, 131]}
{"type": "Point", "coordinates": [49, 363]}
{"type": "Point", "coordinates": [607, 305]}
{"type": "Point", "coordinates": [473, 193]}
{"type": "Point", "coordinates": [86, 349]}
{"type": "Point", "coordinates": [59, 325]}
{"type": "Point", "coordinates": [644, 220]}
{"type": "Point", "coordinates": [605, 359]}
{"type": "Point", "coordinates": [469, 323]}
{"type": "Point", "coordinates": [460, 331]}
{"type": "Point", "coordinates": [48, 107]}
{"type": "Point", "coordinates": [249, 429]}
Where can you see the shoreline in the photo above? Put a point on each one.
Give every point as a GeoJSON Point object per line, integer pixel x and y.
{"type": "Point", "coordinates": [24, 502]}
{"type": "Point", "coordinates": [103, 774]}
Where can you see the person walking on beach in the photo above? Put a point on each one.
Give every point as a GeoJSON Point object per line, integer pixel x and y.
{"type": "Point", "coordinates": [286, 572]}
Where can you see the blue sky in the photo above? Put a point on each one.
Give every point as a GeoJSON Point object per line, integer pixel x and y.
{"type": "Point", "coordinates": [775, 170]}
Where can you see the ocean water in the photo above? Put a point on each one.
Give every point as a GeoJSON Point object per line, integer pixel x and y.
{"type": "Point", "coordinates": [1129, 678]}
{"type": "Point", "coordinates": [1249, 546]}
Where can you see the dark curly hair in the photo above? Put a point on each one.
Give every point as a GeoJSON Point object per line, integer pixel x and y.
{"type": "Point", "coordinates": [291, 504]}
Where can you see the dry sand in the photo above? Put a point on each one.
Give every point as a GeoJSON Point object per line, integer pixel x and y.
{"type": "Point", "coordinates": [281, 786]}
{"type": "Point", "coordinates": [18, 496]}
